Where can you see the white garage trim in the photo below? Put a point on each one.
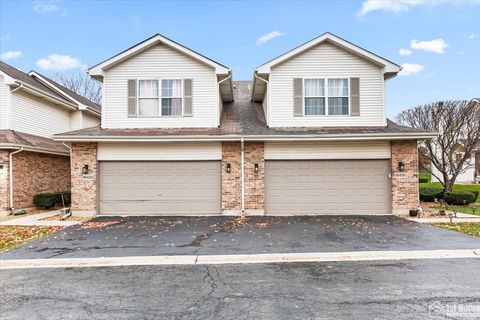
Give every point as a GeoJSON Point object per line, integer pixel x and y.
{"type": "Point", "coordinates": [158, 151]}
{"type": "Point", "coordinates": [327, 150]}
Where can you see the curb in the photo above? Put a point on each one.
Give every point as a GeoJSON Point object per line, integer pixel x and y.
{"type": "Point", "coordinates": [237, 259]}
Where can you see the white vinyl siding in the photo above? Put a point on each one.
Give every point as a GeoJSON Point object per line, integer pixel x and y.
{"type": "Point", "coordinates": [31, 114]}
{"type": "Point", "coordinates": [326, 61]}
{"type": "Point", "coordinates": [166, 151]}
{"type": "Point", "coordinates": [90, 121]}
{"type": "Point", "coordinates": [4, 105]}
{"type": "Point", "coordinates": [160, 62]}
{"type": "Point", "coordinates": [327, 150]}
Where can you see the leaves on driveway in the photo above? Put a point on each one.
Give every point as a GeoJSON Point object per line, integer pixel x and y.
{"type": "Point", "coordinates": [14, 236]}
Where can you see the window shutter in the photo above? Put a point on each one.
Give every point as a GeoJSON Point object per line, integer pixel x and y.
{"type": "Point", "coordinates": [298, 97]}
{"type": "Point", "coordinates": [354, 96]}
{"type": "Point", "coordinates": [132, 98]}
{"type": "Point", "coordinates": [187, 98]}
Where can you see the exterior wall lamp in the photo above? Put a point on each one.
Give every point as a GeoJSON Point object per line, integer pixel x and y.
{"type": "Point", "coordinates": [401, 166]}
{"type": "Point", "coordinates": [255, 167]}
{"type": "Point", "coordinates": [85, 169]}
{"type": "Point", "coordinates": [229, 168]}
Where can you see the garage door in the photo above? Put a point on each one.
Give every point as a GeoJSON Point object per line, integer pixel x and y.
{"type": "Point", "coordinates": [327, 187]}
{"type": "Point", "coordinates": [160, 187]}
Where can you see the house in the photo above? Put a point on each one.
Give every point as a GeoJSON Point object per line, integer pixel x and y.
{"type": "Point", "coordinates": [309, 135]}
{"type": "Point", "coordinates": [32, 109]}
{"type": "Point", "coordinates": [471, 168]}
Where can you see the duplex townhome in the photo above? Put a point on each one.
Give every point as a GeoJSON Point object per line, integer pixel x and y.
{"type": "Point", "coordinates": [309, 135]}
{"type": "Point", "coordinates": [32, 109]}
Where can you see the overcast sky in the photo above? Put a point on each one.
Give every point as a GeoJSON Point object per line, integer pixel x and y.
{"type": "Point", "coordinates": [437, 42]}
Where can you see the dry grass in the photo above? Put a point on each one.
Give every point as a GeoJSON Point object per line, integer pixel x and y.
{"type": "Point", "coordinates": [14, 236]}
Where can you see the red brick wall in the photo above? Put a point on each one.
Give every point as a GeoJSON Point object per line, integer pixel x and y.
{"type": "Point", "coordinates": [231, 182]}
{"type": "Point", "coordinates": [254, 181]}
{"type": "Point", "coordinates": [35, 172]}
{"type": "Point", "coordinates": [404, 184]}
{"type": "Point", "coordinates": [4, 184]}
{"type": "Point", "coordinates": [84, 187]}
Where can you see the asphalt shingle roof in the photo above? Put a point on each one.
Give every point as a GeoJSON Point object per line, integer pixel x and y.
{"type": "Point", "coordinates": [241, 117]}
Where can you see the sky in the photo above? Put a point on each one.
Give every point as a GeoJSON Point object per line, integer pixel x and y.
{"type": "Point", "coordinates": [437, 42]}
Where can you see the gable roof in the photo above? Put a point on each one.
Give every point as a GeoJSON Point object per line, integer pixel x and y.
{"type": "Point", "coordinates": [10, 139]}
{"type": "Point", "coordinates": [70, 94]}
{"type": "Point", "coordinates": [389, 67]}
{"type": "Point", "coordinates": [48, 88]}
{"type": "Point", "coordinates": [96, 70]}
{"type": "Point", "coordinates": [21, 76]}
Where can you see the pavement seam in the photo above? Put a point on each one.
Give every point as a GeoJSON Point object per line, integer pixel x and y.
{"type": "Point", "coordinates": [238, 259]}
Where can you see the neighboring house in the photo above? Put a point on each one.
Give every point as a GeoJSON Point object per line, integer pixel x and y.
{"type": "Point", "coordinates": [32, 109]}
{"type": "Point", "coordinates": [471, 168]}
{"type": "Point", "coordinates": [308, 136]}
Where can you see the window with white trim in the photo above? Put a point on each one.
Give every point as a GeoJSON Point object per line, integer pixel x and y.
{"type": "Point", "coordinates": [314, 96]}
{"type": "Point", "coordinates": [333, 100]}
{"type": "Point", "coordinates": [160, 98]}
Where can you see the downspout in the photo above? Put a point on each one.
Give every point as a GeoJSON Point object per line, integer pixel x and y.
{"type": "Point", "coordinates": [68, 147]}
{"type": "Point", "coordinates": [243, 176]}
{"type": "Point", "coordinates": [20, 86]}
{"type": "Point", "coordinates": [10, 171]}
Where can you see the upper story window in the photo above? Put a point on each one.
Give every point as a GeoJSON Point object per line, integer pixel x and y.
{"type": "Point", "coordinates": [160, 98]}
{"type": "Point", "coordinates": [331, 101]}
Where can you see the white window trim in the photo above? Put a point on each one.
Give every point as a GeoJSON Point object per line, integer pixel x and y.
{"type": "Point", "coordinates": [160, 97]}
{"type": "Point", "coordinates": [325, 79]}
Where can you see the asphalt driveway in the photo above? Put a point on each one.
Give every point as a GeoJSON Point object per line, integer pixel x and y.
{"type": "Point", "coordinates": [147, 236]}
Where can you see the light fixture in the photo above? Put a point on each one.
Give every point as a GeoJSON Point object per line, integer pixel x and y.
{"type": "Point", "coordinates": [255, 167]}
{"type": "Point", "coordinates": [401, 166]}
{"type": "Point", "coordinates": [85, 169]}
{"type": "Point", "coordinates": [229, 168]}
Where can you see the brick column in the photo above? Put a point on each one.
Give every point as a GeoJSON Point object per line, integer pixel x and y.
{"type": "Point", "coordinates": [231, 182]}
{"type": "Point", "coordinates": [254, 181]}
{"type": "Point", "coordinates": [84, 187]}
{"type": "Point", "coordinates": [404, 184]}
{"type": "Point", "coordinates": [4, 183]}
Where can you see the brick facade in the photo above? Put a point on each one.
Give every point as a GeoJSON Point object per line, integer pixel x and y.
{"type": "Point", "coordinates": [84, 187]}
{"type": "Point", "coordinates": [404, 184]}
{"type": "Point", "coordinates": [4, 182]}
{"type": "Point", "coordinates": [33, 173]}
{"type": "Point", "coordinates": [254, 181]}
{"type": "Point", "coordinates": [232, 182]}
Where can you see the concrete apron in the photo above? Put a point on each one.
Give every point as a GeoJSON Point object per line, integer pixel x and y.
{"type": "Point", "coordinates": [238, 259]}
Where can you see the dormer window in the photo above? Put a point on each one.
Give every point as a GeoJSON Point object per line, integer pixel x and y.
{"type": "Point", "coordinates": [331, 101]}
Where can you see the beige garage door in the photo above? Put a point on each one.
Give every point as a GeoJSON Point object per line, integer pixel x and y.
{"type": "Point", "coordinates": [160, 187]}
{"type": "Point", "coordinates": [327, 187]}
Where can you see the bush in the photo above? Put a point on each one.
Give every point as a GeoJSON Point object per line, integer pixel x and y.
{"type": "Point", "coordinates": [459, 197]}
{"type": "Point", "coordinates": [425, 175]}
{"type": "Point", "coordinates": [423, 180]}
{"type": "Point", "coordinates": [49, 200]}
{"type": "Point", "coordinates": [430, 194]}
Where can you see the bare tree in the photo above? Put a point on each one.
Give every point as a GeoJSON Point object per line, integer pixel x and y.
{"type": "Point", "coordinates": [458, 125]}
{"type": "Point", "coordinates": [80, 83]}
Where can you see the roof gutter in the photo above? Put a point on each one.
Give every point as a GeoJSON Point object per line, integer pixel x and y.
{"type": "Point", "coordinates": [310, 137]}
{"type": "Point", "coordinates": [8, 146]}
{"type": "Point", "coordinates": [49, 96]}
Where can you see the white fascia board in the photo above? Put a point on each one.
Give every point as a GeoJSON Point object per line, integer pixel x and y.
{"type": "Point", "coordinates": [54, 88]}
{"type": "Point", "coordinates": [33, 149]}
{"type": "Point", "coordinates": [97, 70]}
{"type": "Point", "coordinates": [389, 67]}
{"type": "Point", "coordinates": [325, 137]}
{"type": "Point", "coordinates": [46, 95]}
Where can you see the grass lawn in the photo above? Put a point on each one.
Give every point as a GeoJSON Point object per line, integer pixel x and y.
{"type": "Point", "coordinates": [462, 209]}
{"type": "Point", "coordinates": [14, 236]}
{"type": "Point", "coordinates": [470, 228]}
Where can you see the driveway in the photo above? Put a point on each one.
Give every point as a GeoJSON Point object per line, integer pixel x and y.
{"type": "Point", "coordinates": [147, 236]}
{"type": "Point", "coordinates": [390, 289]}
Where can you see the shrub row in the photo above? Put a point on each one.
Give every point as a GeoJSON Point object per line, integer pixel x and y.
{"type": "Point", "coordinates": [49, 200]}
{"type": "Point", "coordinates": [423, 180]}
{"type": "Point", "coordinates": [452, 198]}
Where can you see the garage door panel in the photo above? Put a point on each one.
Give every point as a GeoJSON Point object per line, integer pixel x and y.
{"type": "Point", "coordinates": [327, 187]}
{"type": "Point", "coordinates": [160, 187]}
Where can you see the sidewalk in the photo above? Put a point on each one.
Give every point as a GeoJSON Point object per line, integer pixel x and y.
{"type": "Point", "coordinates": [36, 220]}
{"type": "Point", "coordinates": [461, 217]}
